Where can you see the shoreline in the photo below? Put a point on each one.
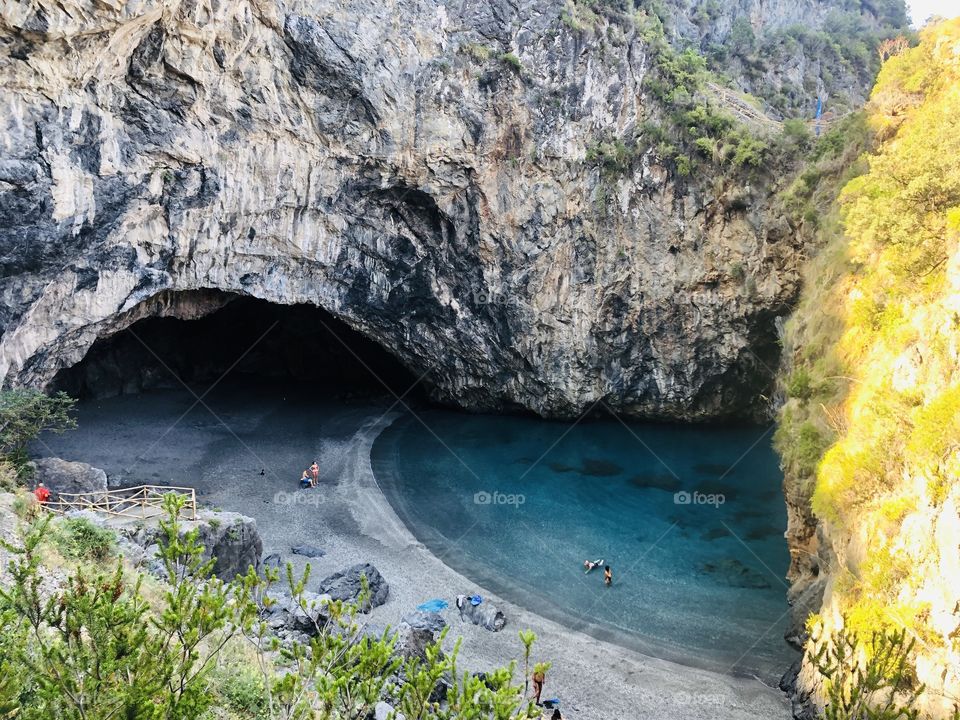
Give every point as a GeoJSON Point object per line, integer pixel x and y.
{"type": "Point", "coordinates": [384, 464]}
{"type": "Point", "coordinates": [351, 518]}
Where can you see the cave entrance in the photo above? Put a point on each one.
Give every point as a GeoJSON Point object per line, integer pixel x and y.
{"type": "Point", "coordinates": [242, 341]}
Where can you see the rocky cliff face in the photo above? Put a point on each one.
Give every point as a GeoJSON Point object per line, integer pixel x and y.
{"type": "Point", "coordinates": [417, 169]}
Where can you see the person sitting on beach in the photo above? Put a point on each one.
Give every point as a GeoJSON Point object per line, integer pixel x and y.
{"type": "Point", "coordinates": [315, 473]}
{"type": "Point", "coordinates": [305, 480]}
{"type": "Point", "coordinates": [556, 715]}
{"type": "Point", "coordinates": [42, 494]}
{"type": "Point", "coordinates": [607, 576]}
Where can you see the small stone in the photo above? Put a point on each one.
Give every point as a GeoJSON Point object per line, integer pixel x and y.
{"type": "Point", "coordinates": [310, 551]}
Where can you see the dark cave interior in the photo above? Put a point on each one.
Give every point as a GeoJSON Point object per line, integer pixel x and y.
{"type": "Point", "coordinates": [247, 340]}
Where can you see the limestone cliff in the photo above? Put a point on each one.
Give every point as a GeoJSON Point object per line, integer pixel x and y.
{"type": "Point", "coordinates": [421, 170]}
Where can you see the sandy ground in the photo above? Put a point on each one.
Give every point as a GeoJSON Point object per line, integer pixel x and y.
{"type": "Point", "coordinates": [349, 517]}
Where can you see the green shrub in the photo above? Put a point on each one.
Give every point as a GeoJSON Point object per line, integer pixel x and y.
{"type": "Point", "coordinates": [512, 60]}
{"type": "Point", "coordinates": [880, 687]}
{"type": "Point", "coordinates": [80, 539]}
{"type": "Point", "coordinates": [243, 690]}
{"type": "Point", "coordinates": [24, 414]}
{"type": "Point", "coordinates": [480, 53]}
{"type": "Point", "coordinates": [25, 506]}
{"type": "Point", "coordinates": [810, 445]}
{"type": "Point", "coordinates": [799, 384]}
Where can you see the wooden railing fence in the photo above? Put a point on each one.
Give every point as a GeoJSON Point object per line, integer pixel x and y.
{"type": "Point", "coordinates": [143, 501]}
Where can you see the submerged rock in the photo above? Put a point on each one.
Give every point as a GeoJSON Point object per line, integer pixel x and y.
{"type": "Point", "coordinates": [347, 585]}
{"type": "Point", "coordinates": [734, 573]}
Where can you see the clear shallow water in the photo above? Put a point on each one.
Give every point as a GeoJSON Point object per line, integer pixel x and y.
{"type": "Point", "coordinates": [517, 504]}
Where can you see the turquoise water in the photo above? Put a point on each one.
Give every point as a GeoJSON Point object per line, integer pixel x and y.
{"type": "Point", "coordinates": [517, 504]}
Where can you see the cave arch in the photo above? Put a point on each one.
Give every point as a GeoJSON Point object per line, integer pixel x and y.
{"type": "Point", "coordinates": [199, 338]}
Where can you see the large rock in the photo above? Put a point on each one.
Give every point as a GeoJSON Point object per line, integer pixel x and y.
{"type": "Point", "coordinates": [486, 615]}
{"type": "Point", "coordinates": [63, 476]}
{"type": "Point", "coordinates": [231, 538]}
{"type": "Point", "coordinates": [452, 207]}
{"type": "Point", "coordinates": [417, 631]}
{"type": "Point", "coordinates": [805, 599]}
{"type": "Point", "coordinates": [286, 615]}
{"type": "Point", "coordinates": [347, 585]}
{"type": "Point", "coordinates": [420, 620]}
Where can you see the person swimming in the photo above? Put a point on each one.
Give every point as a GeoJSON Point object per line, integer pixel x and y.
{"type": "Point", "coordinates": [607, 576]}
{"type": "Point", "coordinates": [589, 565]}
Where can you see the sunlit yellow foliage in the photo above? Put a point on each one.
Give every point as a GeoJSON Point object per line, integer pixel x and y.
{"type": "Point", "coordinates": [901, 232]}
{"type": "Point", "coordinates": [876, 365]}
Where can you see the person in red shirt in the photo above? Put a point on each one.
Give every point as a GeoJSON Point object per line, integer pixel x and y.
{"type": "Point", "coordinates": [41, 493]}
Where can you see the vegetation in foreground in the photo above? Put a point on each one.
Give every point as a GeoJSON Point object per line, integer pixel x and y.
{"type": "Point", "coordinates": [106, 643]}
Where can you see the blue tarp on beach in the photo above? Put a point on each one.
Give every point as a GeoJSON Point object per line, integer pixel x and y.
{"type": "Point", "coordinates": [435, 605]}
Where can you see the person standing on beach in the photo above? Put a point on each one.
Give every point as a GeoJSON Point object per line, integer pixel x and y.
{"type": "Point", "coordinates": [538, 678]}
{"type": "Point", "coordinates": [607, 576]}
{"type": "Point", "coordinates": [315, 473]}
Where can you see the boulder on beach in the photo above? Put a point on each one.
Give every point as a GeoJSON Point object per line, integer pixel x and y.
{"type": "Point", "coordinates": [346, 585]}
{"type": "Point", "coordinates": [486, 615]}
{"type": "Point", "coordinates": [310, 551]}
{"type": "Point", "coordinates": [413, 642]}
{"type": "Point", "coordinates": [63, 476]}
{"type": "Point", "coordinates": [420, 620]}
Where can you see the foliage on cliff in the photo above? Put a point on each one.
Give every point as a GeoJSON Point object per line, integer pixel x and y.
{"type": "Point", "coordinates": [841, 55]}
{"type": "Point", "coordinates": [91, 641]}
{"type": "Point", "coordinates": [24, 414]}
{"type": "Point", "coordinates": [870, 434]}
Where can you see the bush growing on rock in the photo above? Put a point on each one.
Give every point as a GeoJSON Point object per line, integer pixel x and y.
{"type": "Point", "coordinates": [80, 539]}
